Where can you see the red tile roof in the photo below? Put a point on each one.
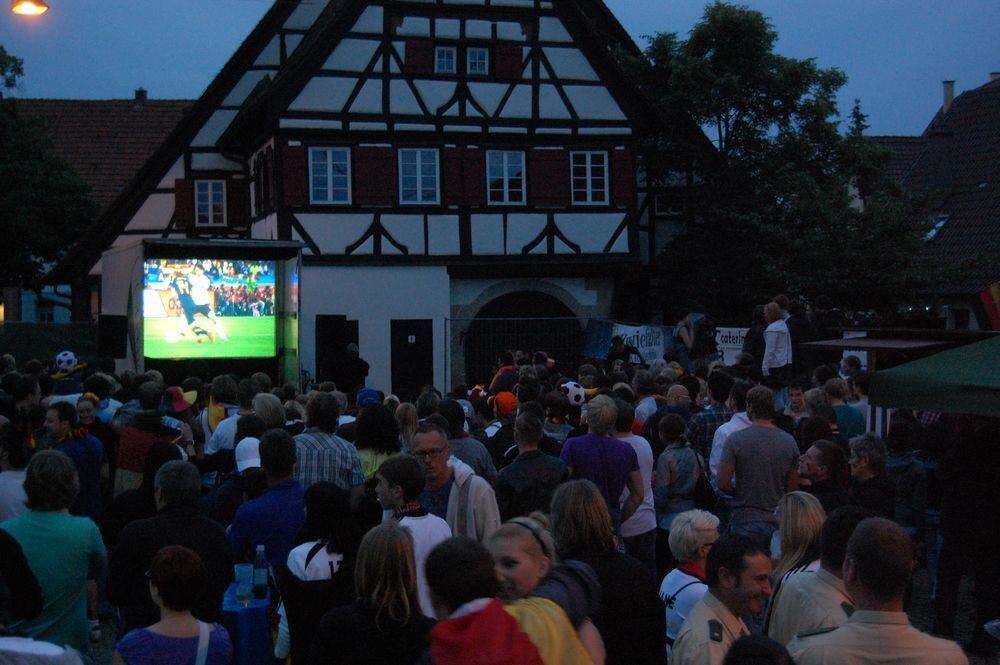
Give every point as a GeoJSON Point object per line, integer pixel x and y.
{"type": "Point", "coordinates": [905, 151]}
{"type": "Point", "coordinates": [955, 166]}
{"type": "Point", "coordinates": [106, 141]}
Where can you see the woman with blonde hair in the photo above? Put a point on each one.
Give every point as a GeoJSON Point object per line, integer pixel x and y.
{"type": "Point", "coordinates": [524, 556]}
{"type": "Point", "coordinates": [800, 521]}
{"type": "Point", "coordinates": [406, 419]}
{"type": "Point", "coordinates": [385, 624]}
{"type": "Point", "coordinates": [630, 618]}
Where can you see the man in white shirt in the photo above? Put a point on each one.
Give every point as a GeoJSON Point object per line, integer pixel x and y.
{"type": "Point", "coordinates": [200, 285]}
{"type": "Point", "coordinates": [692, 534]}
{"type": "Point", "coordinates": [639, 531]}
{"type": "Point", "coordinates": [401, 479]}
{"type": "Point", "coordinates": [737, 402]}
{"type": "Point", "coordinates": [876, 574]}
{"type": "Point", "coordinates": [645, 389]}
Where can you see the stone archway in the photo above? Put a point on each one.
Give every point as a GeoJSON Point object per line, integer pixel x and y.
{"type": "Point", "coordinates": [530, 320]}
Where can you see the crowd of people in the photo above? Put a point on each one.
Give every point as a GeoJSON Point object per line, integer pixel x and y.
{"type": "Point", "coordinates": [609, 513]}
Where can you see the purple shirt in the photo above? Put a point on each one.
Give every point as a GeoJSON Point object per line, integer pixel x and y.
{"type": "Point", "coordinates": [604, 461]}
{"type": "Point", "coordinates": [144, 647]}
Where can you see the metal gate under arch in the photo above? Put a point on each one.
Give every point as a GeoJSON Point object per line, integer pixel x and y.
{"type": "Point", "coordinates": [472, 345]}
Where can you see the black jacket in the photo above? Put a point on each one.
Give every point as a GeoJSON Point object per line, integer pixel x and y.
{"type": "Point", "coordinates": [631, 618]}
{"type": "Point", "coordinates": [307, 601]}
{"type": "Point", "coordinates": [140, 541]}
{"type": "Point", "coordinates": [527, 483]}
{"type": "Point", "coordinates": [877, 495]}
{"type": "Point", "coordinates": [350, 635]}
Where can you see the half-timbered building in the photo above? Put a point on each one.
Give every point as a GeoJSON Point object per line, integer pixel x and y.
{"type": "Point", "coordinates": [434, 158]}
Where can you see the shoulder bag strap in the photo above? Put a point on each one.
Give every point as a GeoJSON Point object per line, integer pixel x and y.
{"type": "Point", "coordinates": [672, 597]}
{"type": "Point", "coordinates": [313, 551]}
{"type": "Point", "coordinates": [203, 635]}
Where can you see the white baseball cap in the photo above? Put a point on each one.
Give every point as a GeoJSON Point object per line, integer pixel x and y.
{"type": "Point", "coordinates": [248, 454]}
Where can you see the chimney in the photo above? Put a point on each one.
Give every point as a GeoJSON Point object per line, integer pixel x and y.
{"type": "Point", "coordinates": [994, 76]}
{"type": "Point", "coordinates": [140, 97]}
{"type": "Point", "coordinates": [949, 95]}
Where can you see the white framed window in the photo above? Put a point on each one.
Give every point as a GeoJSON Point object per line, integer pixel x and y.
{"type": "Point", "coordinates": [505, 176]}
{"type": "Point", "coordinates": [445, 60]}
{"type": "Point", "coordinates": [330, 175]}
{"type": "Point", "coordinates": [419, 177]}
{"type": "Point", "coordinates": [210, 202]}
{"type": "Point", "coordinates": [589, 174]}
{"type": "Point", "coordinates": [477, 61]}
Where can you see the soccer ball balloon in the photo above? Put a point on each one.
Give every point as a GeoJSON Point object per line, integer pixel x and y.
{"type": "Point", "coordinates": [574, 391]}
{"type": "Point", "coordinates": [65, 361]}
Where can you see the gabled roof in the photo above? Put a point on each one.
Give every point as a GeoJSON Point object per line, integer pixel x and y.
{"type": "Point", "coordinates": [957, 171]}
{"type": "Point", "coordinates": [113, 221]}
{"type": "Point", "coordinates": [592, 15]}
{"type": "Point", "coordinates": [905, 151]}
{"type": "Point", "coordinates": [105, 141]}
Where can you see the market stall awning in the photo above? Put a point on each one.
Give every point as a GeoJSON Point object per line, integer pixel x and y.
{"type": "Point", "coordinates": [962, 380]}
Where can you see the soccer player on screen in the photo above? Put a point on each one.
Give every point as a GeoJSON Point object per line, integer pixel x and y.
{"type": "Point", "coordinates": [200, 285]}
{"type": "Point", "coordinates": [182, 287]}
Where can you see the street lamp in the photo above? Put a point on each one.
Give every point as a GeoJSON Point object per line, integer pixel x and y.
{"type": "Point", "coordinates": [29, 7]}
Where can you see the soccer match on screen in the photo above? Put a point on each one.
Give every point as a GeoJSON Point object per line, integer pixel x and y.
{"type": "Point", "coordinates": [208, 308]}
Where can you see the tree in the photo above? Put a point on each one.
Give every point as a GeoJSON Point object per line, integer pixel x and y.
{"type": "Point", "coordinates": [44, 205]}
{"type": "Point", "coordinates": [791, 204]}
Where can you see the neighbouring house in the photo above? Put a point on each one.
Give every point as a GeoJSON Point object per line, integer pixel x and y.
{"type": "Point", "coordinates": [442, 163]}
{"type": "Point", "coordinates": [953, 169]}
{"type": "Point", "coordinates": [106, 141]}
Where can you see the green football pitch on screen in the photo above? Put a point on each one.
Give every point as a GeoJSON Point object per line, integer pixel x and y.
{"type": "Point", "coordinates": [248, 337]}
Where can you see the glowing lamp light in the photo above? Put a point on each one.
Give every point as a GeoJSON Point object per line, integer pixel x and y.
{"type": "Point", "coordinates": [29, 7]}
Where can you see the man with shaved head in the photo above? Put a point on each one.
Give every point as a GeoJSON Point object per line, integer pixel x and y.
{"type": "Point", "coordinates": [876, 572]}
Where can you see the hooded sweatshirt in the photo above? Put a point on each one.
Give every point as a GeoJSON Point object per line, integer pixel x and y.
{"type": "Point", "coordinates": [472, 505]}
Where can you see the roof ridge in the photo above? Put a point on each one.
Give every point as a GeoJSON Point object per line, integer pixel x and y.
{"type": "Point", "coordinates": [102, 99]}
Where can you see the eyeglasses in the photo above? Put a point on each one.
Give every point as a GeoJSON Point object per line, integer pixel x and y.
{"type": "Point", "coordinates": [433, 453]}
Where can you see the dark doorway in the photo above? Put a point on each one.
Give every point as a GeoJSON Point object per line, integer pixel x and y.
{"type": "Point", "coordinates": [412, 357]}
{"type": "Point", "coordinates": [333, 334]}
{"type": "Point", "coordinates": [526, 320]}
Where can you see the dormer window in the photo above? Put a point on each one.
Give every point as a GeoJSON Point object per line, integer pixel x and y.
{"type": "Point", "coordinates": [478, 61]}
{"type": "Point", "coordinates": [445, 60]}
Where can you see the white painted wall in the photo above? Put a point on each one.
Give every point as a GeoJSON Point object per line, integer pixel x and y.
{"type": "Point", "coordinates": [122, 275]}
{"type": "Point", "coordinates": [374, 296]}
{"type": "Point", "coordinates": [465, 291]}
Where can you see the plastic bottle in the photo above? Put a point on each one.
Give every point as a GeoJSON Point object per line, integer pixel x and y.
{"type": "Point", "coordinates": [260, 573]}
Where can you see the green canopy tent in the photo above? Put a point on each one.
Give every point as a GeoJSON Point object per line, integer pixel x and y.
{"type": "Point", "coordinates": [962, 380]}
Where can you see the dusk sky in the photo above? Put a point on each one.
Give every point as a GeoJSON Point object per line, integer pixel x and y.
{"type": "Point", "coordinates": [895, 52]}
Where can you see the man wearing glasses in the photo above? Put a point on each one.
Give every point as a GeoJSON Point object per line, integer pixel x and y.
{"type": "Point", "coordinates": [453, 491]}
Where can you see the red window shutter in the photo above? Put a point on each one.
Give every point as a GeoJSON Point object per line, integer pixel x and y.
{"type": "Point", "coordinates": [622, 178]}
{"type": "Point", "coordinates": [419, 58]}
{"type": "Point", "coordinates": [510, 61]}
{"type": "Point", "coordinates": [376, 181]}
{"type": "Point", "coordinates": [295, 175]}
{"type": "Point", "coordinates": [453, 183]}
{"type": "Point", "coordinates": [548, 174]}
{"type": "Point", "coordinates": [474, 176]}
{"type": "Point", "coordinates": [238, 204]}
{"type": "Point", "coordinates": [184, 203]}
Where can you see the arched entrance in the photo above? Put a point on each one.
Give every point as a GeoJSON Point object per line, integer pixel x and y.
{"type": "Point", "coordinates": [526, 320]}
